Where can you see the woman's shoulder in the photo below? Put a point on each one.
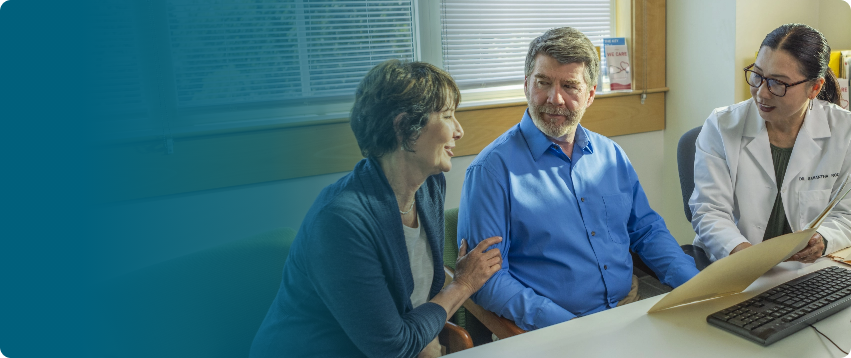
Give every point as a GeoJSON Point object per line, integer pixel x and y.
{"type": "Point", "coordinates": [435, 185]}
{"type": "Point", "coordinates": [348, 200]}
{"type": "Point", "coordinates": [837, 116]}
{"type": "Point", "coordinates": [732, 116]}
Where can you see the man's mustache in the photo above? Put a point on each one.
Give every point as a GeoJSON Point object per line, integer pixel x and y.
{"type": "Point", "coordinates": [550, 109]}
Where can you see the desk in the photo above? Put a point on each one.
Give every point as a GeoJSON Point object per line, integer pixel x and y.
{"type": "Point", "coordinates": [629, 331]}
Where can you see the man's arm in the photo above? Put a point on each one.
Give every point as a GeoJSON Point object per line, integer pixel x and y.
{"type": "Point", "coordinates": [650, 238]}
{"type": "Point", "coordinates": [484, 213]}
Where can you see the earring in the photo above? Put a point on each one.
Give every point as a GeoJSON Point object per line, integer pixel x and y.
{"type": "Point", "coordinates": [811, 104]}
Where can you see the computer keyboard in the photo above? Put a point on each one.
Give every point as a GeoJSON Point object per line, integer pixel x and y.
{"type": "Point", "coordinates": [789, 307]}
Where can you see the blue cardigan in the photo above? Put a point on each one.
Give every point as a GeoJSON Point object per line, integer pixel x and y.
{"type": "Point", "coordinates": [347, 282]}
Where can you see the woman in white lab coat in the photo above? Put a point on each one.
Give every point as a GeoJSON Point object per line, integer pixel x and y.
{"type": "Point", "coordinates": [767, 166]}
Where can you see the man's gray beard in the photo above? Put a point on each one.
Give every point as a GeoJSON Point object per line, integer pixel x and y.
{"type": "Point", "coordinates": [551, 129]}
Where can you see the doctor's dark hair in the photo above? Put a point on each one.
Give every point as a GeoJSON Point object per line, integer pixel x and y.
{"type": "Point", "coordinates": [566, 45]}
{"type": "Point", "coordinates": [393, 87]}
{"type": "Point", "coordinates": [810, 48]}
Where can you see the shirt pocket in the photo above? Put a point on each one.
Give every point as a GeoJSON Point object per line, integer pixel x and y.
{"type": "Point", "coordinates": [618, 207]}
{"type": "Point", "coordinates": [810, 205]}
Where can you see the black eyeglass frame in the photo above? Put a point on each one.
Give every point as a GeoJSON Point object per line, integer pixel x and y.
{"type": "Point", "coordinates": [765, 79]}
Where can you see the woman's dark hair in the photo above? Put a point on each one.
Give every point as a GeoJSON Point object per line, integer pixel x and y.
{"type": "Point", "coordinates": [810, 48]}
{"type": "Point", "coordinates": [416, 89]}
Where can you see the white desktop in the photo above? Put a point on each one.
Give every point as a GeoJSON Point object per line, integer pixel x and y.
{"type": "Point", "coordinates": [629, 331]}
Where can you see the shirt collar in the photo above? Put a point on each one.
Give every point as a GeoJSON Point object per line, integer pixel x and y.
{"type": "Point", "coordinates": [539, 143]}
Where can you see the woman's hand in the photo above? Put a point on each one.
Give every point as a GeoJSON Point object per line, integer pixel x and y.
{"type": "Point", "coordinates": [473, 269]}
{"type": "Point", "coordinates": [810, 253]}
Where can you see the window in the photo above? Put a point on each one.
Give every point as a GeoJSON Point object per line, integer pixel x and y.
{"type": "Point", "coordinates": [191, 66]}
{"type": "Point", "coordinates": [237, 51]}
{"type": "Point", "coordinates": [485, 42]}
{"type": "Point", "coordinates": [120, 98]}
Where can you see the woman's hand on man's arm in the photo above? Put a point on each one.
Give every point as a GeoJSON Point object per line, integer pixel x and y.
{"type": "Point", "coordinates": [472, 270]}
{"type": "Point", "coordinates": [475, 268]}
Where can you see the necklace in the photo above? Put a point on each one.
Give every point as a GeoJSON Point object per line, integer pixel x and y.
{"type": "Point", "coordinates": [409, 208]}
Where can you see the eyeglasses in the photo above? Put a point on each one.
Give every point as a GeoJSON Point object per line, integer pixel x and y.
{"type": "Point", "coordinates": [776, 87]}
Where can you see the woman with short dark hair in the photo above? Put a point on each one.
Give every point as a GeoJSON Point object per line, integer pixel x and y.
{"type": "Point", "coordinates": [768, 166]}
{"type": "Point", "coordinates": [364, 276]}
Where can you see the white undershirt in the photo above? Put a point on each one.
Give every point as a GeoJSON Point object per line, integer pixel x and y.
{"type": "Point", "coordinates": [422, 266]}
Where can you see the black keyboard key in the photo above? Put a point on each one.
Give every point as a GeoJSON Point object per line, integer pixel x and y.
{"type": "Point", "coordinates": [751, 326]}
{"type": "Point", "coordinates": [777, 296]}
{"type": "Point", "coordinates": [722, 316]}
{"type": "Point", "coordinates": [736, 322]}
{"type": "Point", "coordinates": [789, 307]}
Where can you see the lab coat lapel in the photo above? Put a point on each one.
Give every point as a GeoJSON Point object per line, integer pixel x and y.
{"type": "Point", "coordinates": [806, 148]}
{"type": "Point", "coordinates": [758, 147]}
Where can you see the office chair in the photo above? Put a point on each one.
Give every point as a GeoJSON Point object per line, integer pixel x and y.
{"type": "Point", "coordinates": [685, 166]}
{"type": "Point", "coordinates": [209, 303]}
{"type": "Point", "coordinates": [479, 322]}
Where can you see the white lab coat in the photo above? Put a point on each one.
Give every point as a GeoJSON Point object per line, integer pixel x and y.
{"type": "Point", "coordinates": [735, 187]}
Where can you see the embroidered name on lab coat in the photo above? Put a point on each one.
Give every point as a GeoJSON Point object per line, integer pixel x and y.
{"type": "Point", "coordinates": [821, 176]}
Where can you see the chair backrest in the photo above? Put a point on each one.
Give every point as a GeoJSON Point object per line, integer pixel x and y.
{"type": "Point", "coordinates": [685, 165]}
{"type": "Point", "coordinates": [450, 239]}
{"type": "Point", "coordinates": [206, 304]}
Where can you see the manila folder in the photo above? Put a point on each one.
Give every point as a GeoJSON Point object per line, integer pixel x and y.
{"type": "Point", "coordinates": [734, 273]}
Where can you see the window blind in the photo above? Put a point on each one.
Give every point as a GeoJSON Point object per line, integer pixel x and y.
{"type": "Point", "coordinates": [485, 41]}
{"type": "Point", "coordinates": [118, 88]}
{"type": "Point", "coordinates": [244, 51]}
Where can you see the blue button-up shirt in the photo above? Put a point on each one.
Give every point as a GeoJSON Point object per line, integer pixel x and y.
{"type": "Point", "coordinates": [567, 225]}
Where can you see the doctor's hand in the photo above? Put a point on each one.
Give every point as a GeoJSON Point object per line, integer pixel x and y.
{"type": "Point", "coordinates": [740, 247]}
{"type": "Point", "coordinates": [810, 253]}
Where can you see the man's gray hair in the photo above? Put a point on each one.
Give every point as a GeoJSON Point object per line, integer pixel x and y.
{"type": "Point", "coordinates": [566, 45]}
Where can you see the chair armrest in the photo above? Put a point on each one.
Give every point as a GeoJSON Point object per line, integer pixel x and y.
{"type": "Point", "coordinates": [701, 260]}
{"type": "Point", "coordinates": [454, 338]}
{"type": "Point", "coordinates": [499, 326]}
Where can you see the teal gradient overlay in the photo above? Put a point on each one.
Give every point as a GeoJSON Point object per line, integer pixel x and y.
{"type": "Point", "coordinates": [49, 181]}
{"type": "Point", "coordinates": [80, 78]}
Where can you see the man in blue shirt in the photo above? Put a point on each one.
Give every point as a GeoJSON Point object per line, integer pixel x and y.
{"type": "Point", "coordinates": [565, 200]}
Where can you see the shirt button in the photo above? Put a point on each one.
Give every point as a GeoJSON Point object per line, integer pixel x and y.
{"type": "Point", "coordinates": [583, 199]}
{"type": "Point", "coordinates": [605, 267]}
{"type": "Point", "coordinates": [593, 233]}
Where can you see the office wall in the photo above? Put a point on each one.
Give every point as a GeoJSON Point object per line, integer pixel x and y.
{"type": "Point", "coordinates": [834, 21]}
{"type": "Point", "coordinates": [701, 49]}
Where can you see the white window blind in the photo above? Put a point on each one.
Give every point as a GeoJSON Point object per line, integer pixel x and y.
{"type": "Point", "coordinates": [485, 41]}
{"type": "Point", "coordinates": [118, 81]}
{"type": "Point", "coordinates": [245, 51]}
